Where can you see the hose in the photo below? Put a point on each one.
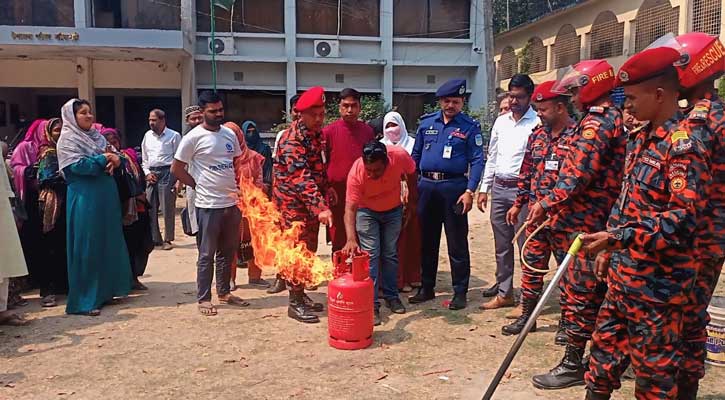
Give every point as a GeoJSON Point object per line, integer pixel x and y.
{"type": "Point", "coordinates": [526, 243]}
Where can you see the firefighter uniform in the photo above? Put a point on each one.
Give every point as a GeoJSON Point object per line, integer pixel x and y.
{"type": "Point", "coordinates": [653, 264]}
{"type": "Point", "coordinates": [588, 184]}
{"type": "Point", "coordinates": [444, 153]}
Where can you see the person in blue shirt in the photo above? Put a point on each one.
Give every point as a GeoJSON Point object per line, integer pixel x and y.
{"type": "Point", "coordinates": [448, 153]}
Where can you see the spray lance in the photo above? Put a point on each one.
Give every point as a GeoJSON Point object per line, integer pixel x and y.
{"type": "Point", "coordinates": [570, 255]}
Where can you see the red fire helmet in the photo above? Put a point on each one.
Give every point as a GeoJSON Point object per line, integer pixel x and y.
{"type": "Point", "coordinates": [705, 56]}
{"type": "Point", "coordinates": [594, 78]}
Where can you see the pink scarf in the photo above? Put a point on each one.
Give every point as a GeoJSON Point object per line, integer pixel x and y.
{"type": "Point", "coordinates": [26, 153]}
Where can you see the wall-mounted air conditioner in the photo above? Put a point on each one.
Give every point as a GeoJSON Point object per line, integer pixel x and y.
{"type": "Point", "coordinates": [221, 45]}
{"type": "Point", "coordinates": [327, 48]}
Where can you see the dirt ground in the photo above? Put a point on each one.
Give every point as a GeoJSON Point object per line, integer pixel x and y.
{"type": "Point", "coordinates": [156, 345]}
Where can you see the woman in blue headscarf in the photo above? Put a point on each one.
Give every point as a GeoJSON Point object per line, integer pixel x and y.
{"type": "Point", "coordinates": [254, 142]}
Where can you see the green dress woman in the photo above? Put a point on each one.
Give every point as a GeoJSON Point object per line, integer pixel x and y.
{"type": "Point", "coordinates": [98, 264]}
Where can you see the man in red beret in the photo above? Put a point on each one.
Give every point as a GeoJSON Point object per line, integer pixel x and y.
{"type": "Point", "coordinates": [546, 149]}
{"type": "Point", "coordinates": [299, 187]}
{"type": "Point", "coordinates": [647, 253]}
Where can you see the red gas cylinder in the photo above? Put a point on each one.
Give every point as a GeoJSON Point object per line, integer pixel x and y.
{"type": "Point", "coordinates": [350, 303]}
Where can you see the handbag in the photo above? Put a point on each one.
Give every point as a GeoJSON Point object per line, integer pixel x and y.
{"type": "Point", "coordinates": [186, 222]}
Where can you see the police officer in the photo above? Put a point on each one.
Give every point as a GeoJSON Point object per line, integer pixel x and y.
{"type": "Point", "coordinates": [703, 64]}
{"type": "Point", "coordinates": [448, 145]}
{"type": "Point", "coordinates": [650, 258]}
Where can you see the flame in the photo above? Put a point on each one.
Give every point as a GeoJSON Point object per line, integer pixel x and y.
{"type": "Point", "coordinates": [278, 247]}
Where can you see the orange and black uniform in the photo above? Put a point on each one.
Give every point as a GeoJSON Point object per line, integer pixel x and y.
{"type": "Point", "coordinates": [545, 153]}
{"type": "Point", "coordinates": [707, 123]}
{"type": "Point", "coordinates": [653, 265]}
{"type": "Point", "coordinates": [587, 187]}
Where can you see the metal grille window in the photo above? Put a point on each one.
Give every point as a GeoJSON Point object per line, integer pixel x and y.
{"type": "Point", "coordinates": [534, 58]}
{"type": "Point", "coordinates": [706, 16]}
{"type": "Point", "coordinates": [567, 47]}
{"type": "Point", "coordinates": [654, 19]}
{"type": "Point", "coordinates": [507, 64]}
{"type": "Point", "coordinates": [607, 36]}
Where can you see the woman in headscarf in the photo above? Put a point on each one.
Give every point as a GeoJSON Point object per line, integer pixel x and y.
{"type": "Point", "coordinates": [395, 133]}
{"type": "Point", "coordinates": [98, 265]}
{"type": "Point", "coordinates": [255, 143]}
{"type": "Point", "coordinates": [135, 211]}
{"type": "Point", "coordinates": [51, 273]}
{"type": "Point", "coordinates": [249, 165]}
{"type": "Point", "coordinates": [24, 169]}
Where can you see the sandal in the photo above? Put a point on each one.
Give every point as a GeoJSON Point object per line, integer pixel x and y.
{"type": "Point", "coordinates": [14, 320]}
{"type": "Point", "coordinates": [207, 309]}
{"type": "Point", "coordinates": [232, 300]}
{"type": "Point", "coordinates": [93, 313]}
{"type": "Point", "coordinates": [48, 301]}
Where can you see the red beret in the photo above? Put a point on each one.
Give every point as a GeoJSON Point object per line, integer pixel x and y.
{"type": "Point", "coordinates": [314, 97]}
{"type": "Point", "coordinates": [646, 64]}
{"type": "Point", "coordinates": [543, 92]}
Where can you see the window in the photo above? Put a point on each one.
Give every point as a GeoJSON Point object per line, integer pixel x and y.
{"type": "Point", "coordinates": [607, 36]}
{"type": "Point", "coordinates": [507, 64]}
{"type": "Point", "coordinates": [264, 108]}
{"type": "Point", "coordinates": [431, 18]}
{"type": "Point", "coordinates": [654, 19]}
{"type": "Point", "coordinates": [37, 12]}
{"type": "Point", "coordinates": [137, 14]}
{"type": "Point", "coordinates": [411, 106]}
{"type": "Point", "coordinates": [356, 17]}
{"type": "Point", "coordinates": [533, 58]}
{"type": "Point", "coordinates": [259, 16]}
{"type": "Point", "coordinates": [566, 47]}
{"type": "Point", "coordinates": [706, 16]}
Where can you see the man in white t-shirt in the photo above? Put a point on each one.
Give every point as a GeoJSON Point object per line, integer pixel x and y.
{"type": "Point", "coordinates": [209, 151]}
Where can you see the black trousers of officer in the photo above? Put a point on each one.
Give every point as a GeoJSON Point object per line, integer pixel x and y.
{"type": "Point", "coordinates": [436, 207]}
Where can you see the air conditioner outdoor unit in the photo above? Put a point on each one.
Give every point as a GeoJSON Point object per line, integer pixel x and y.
{"type": "Point", "coordinates": [327, 48]}
{"type": "Point", "coordinates": [221, 45]}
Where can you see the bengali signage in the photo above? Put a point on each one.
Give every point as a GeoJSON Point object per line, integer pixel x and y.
{"type": "Point", "coordinates": [44, 36]}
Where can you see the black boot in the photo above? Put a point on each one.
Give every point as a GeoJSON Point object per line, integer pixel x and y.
{"type": "Point", "coordinates": [687, 390]}
{"type": "Point", "coordinates": [569, 372]}
{"type": "Point", "coordinates": [515, 328]}
{"type": "Point", "coordinates": [316, 307]}
{"type": "Point", "coordinates": [422, 295]}
{"type": "Point", "coordinates": [298, 310]}
{"type": "Point", "coordinates": [561, 338]}
{"type": "Point", "coordinates": [279, 285]}
{"type": "Point", "coordinates": [596, 396]}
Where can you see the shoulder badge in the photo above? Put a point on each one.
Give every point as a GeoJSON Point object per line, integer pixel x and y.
{"type": "Point", "coordinates": [679, 135]}
{"type": "Point", "coordinates": [479, 140]}
{"type": "Point", "coordinates": [596, 110]}
{"type": "Point", "coordinates": [678, 184]}
{"type": "Point", "coordinates": [700, 111]}
{"type": "Point", "coordinates": [589, 133]}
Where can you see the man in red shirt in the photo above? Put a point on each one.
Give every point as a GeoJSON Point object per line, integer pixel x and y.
{"type": "Point", "coordinates": [374, 214]}
{"type": "Point", "coordinates": [344, 141]}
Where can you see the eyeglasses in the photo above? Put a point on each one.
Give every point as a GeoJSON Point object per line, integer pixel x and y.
{"type": "Point", "coordinates": [374, 149]}
{"type": "Point", "coordinates": [519, 98]}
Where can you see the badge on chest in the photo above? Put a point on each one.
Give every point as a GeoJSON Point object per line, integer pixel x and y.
{"type": "Point", "coordinates": [447, 151]}
{"type": "Point", "coordinates": [551, 165]}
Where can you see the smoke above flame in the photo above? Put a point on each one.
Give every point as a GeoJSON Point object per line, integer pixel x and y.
{"type": "Point", "coordinates": [275, 247]}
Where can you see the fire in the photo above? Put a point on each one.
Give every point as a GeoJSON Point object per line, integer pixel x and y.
{"type": "Point", "coordinates": [277, 247]}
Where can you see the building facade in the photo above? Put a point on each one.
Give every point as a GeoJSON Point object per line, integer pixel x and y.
{"type": "Point", "coordinates": [595, 29]}
{"type": "Point", "coordinates": [133, 55]}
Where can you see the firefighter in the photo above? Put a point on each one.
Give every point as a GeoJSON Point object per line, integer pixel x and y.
{"type": "Point", "coordinates": [545, 152]}
{"type": "Point", "coordinates": [299, 187]}
{"type": "Point", "coordinates": [588, 185]}
{"type": "Point", "coordinates": [703, 63]}
{"type": "Point", "coordinates": [649, 258]}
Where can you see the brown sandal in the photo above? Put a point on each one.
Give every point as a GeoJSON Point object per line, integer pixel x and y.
{"type": "Point", "coordinates": [232, 300]}
{"type": "Point", "coordinates": [207, 309]}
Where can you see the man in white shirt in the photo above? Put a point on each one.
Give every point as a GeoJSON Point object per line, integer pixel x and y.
{"type": "Point", "coordinates": [506, 149]}
{"type": "Point", "coordinates": [209, 150]}
{"type": "Point", "coordinates": [157, 151]}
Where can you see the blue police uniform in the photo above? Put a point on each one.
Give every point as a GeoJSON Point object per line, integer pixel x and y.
{"type": "Point", "coordinates": [444, 154]}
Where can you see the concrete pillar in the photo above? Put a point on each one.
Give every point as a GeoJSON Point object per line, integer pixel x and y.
{"type": "Point", "coordinates": [188, 83]}
{"type": "Point", "coordinates": [187, 64]}
{"type": "Point", "coordinates": [685, 22]}
{"type": "Point", "coordinates": [84, 70]}
{"type": "Point", "coordinates": [583, 53]}
{"type": "Point", "coordinates": [483, 80]}
{"type": "Point", "coordinates": [290, 48]}
{"type": "Point", "coordinates": [82, 13]}
{"type": "Point", "coordinates": [386, 48]}
{"type": "Point", "coordinates": [549, 57]}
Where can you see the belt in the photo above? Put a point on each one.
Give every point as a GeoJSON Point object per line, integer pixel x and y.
{"type": "Point", "coordinates": [165, 167]}
{"type": "Point", "coordinates": [441, 176]}
{"type": "Point", "coordinates": [509, 183]}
